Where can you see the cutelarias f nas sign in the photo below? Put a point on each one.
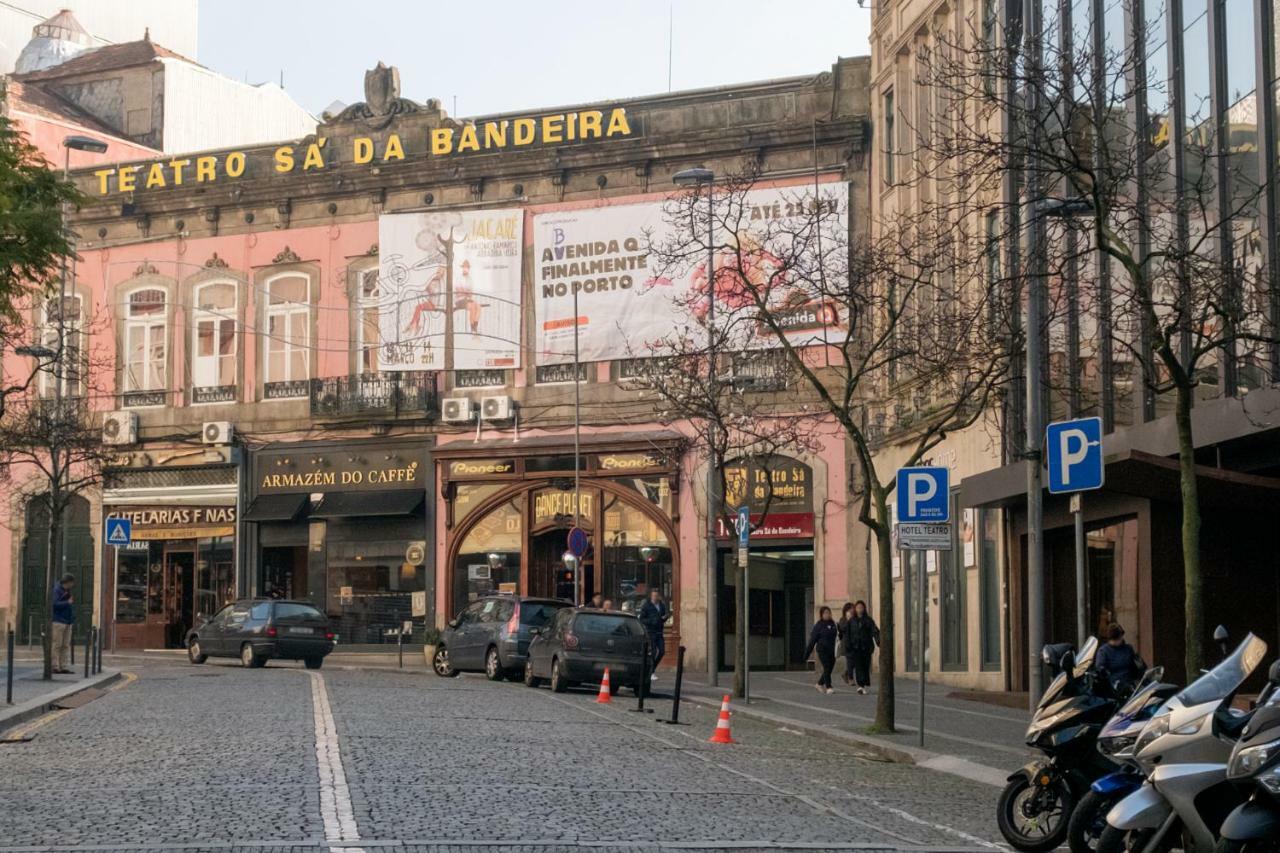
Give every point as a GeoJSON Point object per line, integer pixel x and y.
{"type": "Point", "coordinates": [321, 153]}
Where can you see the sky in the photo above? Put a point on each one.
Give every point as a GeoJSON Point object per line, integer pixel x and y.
{"type": "Point", "coordinates": [503, 55]}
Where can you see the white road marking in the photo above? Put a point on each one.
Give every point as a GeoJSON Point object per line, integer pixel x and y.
{"type": "Point", "coordinates": [336, 810]}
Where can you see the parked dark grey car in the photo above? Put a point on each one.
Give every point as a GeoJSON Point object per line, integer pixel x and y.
{"type": "Point", "coordinates": [492, 635]}
{"type": "Point", "coordinates": [578, 645]}
{"type": "Point", "coordinates": [257, 630]}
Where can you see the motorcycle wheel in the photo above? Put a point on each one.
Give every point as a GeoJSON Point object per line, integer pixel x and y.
{"type": "Point", "coordinates": [1034, 828]}
{"type": "Point", "coordinates": [1088, 822]}
{"type": "Point", "coordinates": [1226, 845]}
{"type": "Point", "coordinates": [1115, 840]}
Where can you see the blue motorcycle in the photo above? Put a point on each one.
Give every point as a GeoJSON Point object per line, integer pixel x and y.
{"type": "Point", "coordinates": [1116, 741]}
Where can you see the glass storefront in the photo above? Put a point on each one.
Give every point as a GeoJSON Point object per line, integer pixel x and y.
{"type": "Point", "coordinates": [165, 586]}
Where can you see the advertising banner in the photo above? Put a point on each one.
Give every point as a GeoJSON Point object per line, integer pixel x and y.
{"type": "Point", "coordinates": [460, 264]}
{"type": "Point", "coordinates": [628, 308]}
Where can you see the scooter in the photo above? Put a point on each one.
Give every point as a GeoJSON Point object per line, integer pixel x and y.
{"type": "Point", "coordinates": [1036, 805]}
{"type": "Point", "coordinates": [1254, 827]}
{"type": "Point", "coordinates": [1184, 752]}
{"type": "Point", "coordinates": [1116, 742]}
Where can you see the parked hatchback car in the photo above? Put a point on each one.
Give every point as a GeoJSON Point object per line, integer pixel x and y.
{"type": "Point", "coordinates": [257, 630]}
{"type": "Point", "coordinates": [579, 644]}
{"type": "Point", "coordinates": [491, 635]}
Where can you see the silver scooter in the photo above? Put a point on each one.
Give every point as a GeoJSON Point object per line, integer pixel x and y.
{"type": "Point", "coordinates": [1184, 751]}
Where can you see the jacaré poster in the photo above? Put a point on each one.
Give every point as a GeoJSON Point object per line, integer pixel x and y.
{"type": "Point", "coordinates": [459, 264]}
{"type": "Point", "coordinates": [627, 308]}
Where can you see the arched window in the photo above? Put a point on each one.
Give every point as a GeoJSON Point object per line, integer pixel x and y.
{"type": "Point", "coordinates": [213, 344]}
{"type": "Point", "coordinates": [288, 346]}
{"type": "Point", "coordinates": [145, 344]}
{"type": "Point", "coordinates": [69, 367]}
{"type": "Point", "coordinates": [367, 336]}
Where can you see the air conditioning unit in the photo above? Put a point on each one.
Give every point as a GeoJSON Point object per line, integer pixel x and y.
{"type": "Point", "coordinates": [217, 432]}
{"type": "Point", "coordinates": [457, 410]}
{"type": "Point", "coordinates": [120, 428]}
{"type": "Point", "coordinates": [497, 408]}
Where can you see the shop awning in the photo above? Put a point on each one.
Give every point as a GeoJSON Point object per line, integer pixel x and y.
{"type": "Point", "coordinates": [347, 504]}
{"type": "Point", "coordinates": [276, 507]}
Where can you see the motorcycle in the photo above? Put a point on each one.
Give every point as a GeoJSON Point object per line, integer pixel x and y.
{"type": "Point", "coordinates": [1036, 805]}
{"type": "Point", "coordinates": [1116, 742]}
{"type": "Point", "coordinates": [1254, 826]}
{"type": "Point", "coordinates": [1184, 752]}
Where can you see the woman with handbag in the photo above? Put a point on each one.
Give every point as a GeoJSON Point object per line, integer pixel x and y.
{"type": "Point", "coordinates": [861, 637]}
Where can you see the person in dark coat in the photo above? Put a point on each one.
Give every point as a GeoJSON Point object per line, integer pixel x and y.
{"type": "Point", "coordinates": [823, 639]}
{"type": "Point", "coordinates": [653, 616]}
{"type": "Point", "coordinates": [860, 636]}
{"type": "Point", "coordinates": [1117, 661]}
{"type": "Point", "coordinates": [842, 649]}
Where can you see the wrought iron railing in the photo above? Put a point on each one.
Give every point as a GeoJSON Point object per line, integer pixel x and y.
{"type": "Point", "coordinates": [388, 394]}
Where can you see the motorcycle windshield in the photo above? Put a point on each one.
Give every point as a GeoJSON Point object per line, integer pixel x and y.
{"type": "Point", "coordinates": [1088, 652]}
{"type": "Point", "coordinates": [1223, 680]}
{"type": "Point", "coordinates": [1138, 707]}
{"type": "Point", "coordinates": [1057, 688]}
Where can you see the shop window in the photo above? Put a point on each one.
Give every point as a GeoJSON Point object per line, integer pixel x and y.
{"type": "Point", "coordinates": [367, 338]}
{"type": "Point", "coordinates": [215, 574]}
{"type": "Point", "coordinates": [288, 344]}
{"type": "Point", "coordinates": [489, 558]}
{"type": "Point", "coordinates": [469, 496]}
{"type": "Point", "coordinates": [214, 344]}
{"type": "Point", "coordinates": [146, 376]}
{"type": "Point", "coordinates": [637, 556]}
{"type": "Point", "coordinates": [655, 490]}
{"type": "Point", "coordinates": [68, 369]}
{"type": "Point", "coordinates": [131, 585]}
{"type": "Point", "coordinates": [989, 587]}
{"type": "Point", "coordinates": [370, 586]}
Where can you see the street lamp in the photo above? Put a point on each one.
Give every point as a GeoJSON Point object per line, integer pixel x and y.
{"type": "Point", "coordinates": [695, 178]}
{"type": "Point", "coordinates": [1038, 209]}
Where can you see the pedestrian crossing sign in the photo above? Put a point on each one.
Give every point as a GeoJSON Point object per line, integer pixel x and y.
{"type": "Point", "coordinates": [119, 531]}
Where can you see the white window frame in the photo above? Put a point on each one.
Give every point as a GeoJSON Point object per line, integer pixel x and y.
{"type": "Point", "coordinates": [71, 387]}
{"type": "Point", "coordinates": [150, 327]}
{"type": "Point", "coordinates": [286, 311]}
{"type": "Point", "coordinates": [363, 303]}
{"type": "Point", "coordinates": [201, 316]}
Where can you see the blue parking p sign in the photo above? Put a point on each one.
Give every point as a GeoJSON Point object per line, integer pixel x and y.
{"type": "Point", "coordinates": [924, 495]}
{"type": "Point", "coordinates": [119, 531]}
{"type": "Point", "coordinates": [1074, 451]}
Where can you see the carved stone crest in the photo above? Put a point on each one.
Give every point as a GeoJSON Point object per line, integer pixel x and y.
{"type": "Point", "coordinates": [286, 256]}
{"type": "Point", "coordinates": [146, 268]}
{"type": "Point", "coordinates": [215, 263]}
{"type": "Point", "coordinates": [382, 101]}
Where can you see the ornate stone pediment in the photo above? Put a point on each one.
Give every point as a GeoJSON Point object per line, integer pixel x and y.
{"type": "Point", "coordinates": [286, 256]}
{"type": "Point", "coordinates": [215, 263]}
{"type": "Point", "coordinates": [382, 101]}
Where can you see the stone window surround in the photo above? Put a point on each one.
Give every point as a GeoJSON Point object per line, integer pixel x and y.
{"type": "Point", "coordinates": [262, 282]}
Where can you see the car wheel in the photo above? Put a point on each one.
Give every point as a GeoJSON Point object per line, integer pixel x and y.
{"type": "Point", "coordinates": [530, 680]}
{"type": "Point", "coordinates": [249, 658]}
{"type": "Point", "coordinates": [440, 663]}
{"type": "Point", "coordinates": [558, 682]}
{"type": "Point", "coordinates": [194, 654]}
{"type": "Point", "coordinates": [313, 662]}
{"type": "Point", "coordinates": [493, 665]}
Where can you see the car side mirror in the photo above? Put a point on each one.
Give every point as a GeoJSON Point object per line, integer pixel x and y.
{"type": "Point", "coordinates": [454, 623]}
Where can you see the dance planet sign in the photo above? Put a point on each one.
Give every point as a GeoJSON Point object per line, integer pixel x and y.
{"type": "Point", "coordinates": [322, 153]}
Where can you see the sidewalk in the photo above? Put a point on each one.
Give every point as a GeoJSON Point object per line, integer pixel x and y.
{"type": "Point", "coordinates": [32, 695]}
{"type": "Point", "coordinates": [973, 739]}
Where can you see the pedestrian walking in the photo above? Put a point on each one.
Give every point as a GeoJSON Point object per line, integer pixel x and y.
{"type": "Point", "coordinates": [597, 601]}
{"type": "Point", "coordinates": [842, 647]}
{"type": "Point", "coordinates": [823, 639]}
{"type": "Point", "coordinates": [861, 636]}
{"type": "Point", "coordinates": [63, 616]}
{"type": "Point", "coordinates": [653, 616]}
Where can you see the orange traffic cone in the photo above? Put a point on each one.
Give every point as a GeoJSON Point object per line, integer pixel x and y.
{"type": "Point", "coordinates": [722, 734]}
{"type": "Point", "coordinates": [605, 696]}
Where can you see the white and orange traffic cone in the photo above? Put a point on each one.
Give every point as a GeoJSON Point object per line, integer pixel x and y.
{"type": "Point", "coordinates": [722, 733]}
{"type": "Point", "coordinates": [605, 696]}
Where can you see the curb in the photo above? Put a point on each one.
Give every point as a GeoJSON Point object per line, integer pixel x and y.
{"type": "Point", "coordinates": [898, 754]}
{"type": "Point", "coordinates": [10, 717]}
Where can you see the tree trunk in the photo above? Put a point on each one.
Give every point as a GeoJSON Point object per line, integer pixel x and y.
{"type": "Point", "coordinates": [884, 565]}
{"type": "Point", "coordinates": [740, 636]}
{"type": "Point", "coordinates": [1192, 581]}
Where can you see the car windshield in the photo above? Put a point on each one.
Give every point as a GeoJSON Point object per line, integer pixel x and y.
{"type": "Point", "coordinates": [536, 614]}
{"type": "Point", "coordinates": [1223, 679]}
{"type": "Point", "coordinates": [600, 623]}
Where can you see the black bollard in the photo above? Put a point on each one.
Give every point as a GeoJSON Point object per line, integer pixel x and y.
{"type": "Point", "coordinates": [643, 689]}
{"type": "Point", "coordinates": [675, 704]}
{"type": "Point", "coordinates": [8, 690]}
{"type": "Point", "coordinates": [97, 661]}
{"type": "Point", "coordinates": [71, 646]}
{"type": "Point", "coordinates": [88, 649]}
{"type": "Point", "coordinates": [400, 647]}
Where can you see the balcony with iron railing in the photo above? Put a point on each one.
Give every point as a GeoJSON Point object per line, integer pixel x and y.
{"type": "Point", "coordinates": [390, 395]}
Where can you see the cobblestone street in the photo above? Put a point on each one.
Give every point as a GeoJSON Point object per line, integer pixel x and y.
{"type": "Point", "coordinates": [221, 758]}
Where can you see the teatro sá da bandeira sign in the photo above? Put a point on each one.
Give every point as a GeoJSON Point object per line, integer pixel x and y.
{"type": "Point", "coordinates": [322, 153]}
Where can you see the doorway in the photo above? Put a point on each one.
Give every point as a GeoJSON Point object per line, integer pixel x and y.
{"type": "Point", "coordinates": [548, 576]}
{"type": "Point", "coordinates": [178, 599]}
{"type": "Point", "coordinates": [284, 572]}
{"type": "Point", "coordinates": [780, 605]}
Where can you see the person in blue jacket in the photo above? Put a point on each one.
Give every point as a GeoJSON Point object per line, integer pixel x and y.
{"type": "Point", "coordinates": [63, 617]}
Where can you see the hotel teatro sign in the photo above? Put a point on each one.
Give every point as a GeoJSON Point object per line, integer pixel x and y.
{"type": "Point", "coordinates": [321, 153]}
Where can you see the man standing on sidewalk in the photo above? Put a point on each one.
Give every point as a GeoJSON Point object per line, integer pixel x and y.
{"type": "Point", "coordinates": [653, 616]}
{"type": "Point", "coordinates": [64, 616]}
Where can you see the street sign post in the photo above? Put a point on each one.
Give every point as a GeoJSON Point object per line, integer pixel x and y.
{"type": "Point", "coordinates": [119, 531]}
{"type": "Point", "coordinates": [743, 525]}
{"type": "Point", "coordinates": [578, 542]}
{"type": "Point", "coordinates": [923, 524]}
{"type": "Point", "coordinates": [1074, 455]}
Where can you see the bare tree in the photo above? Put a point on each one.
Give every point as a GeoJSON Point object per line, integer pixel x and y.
{"type": "Point", "coordinates": [891, 337]}
{"type": "Point", "coordinates": [1161, 267]}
